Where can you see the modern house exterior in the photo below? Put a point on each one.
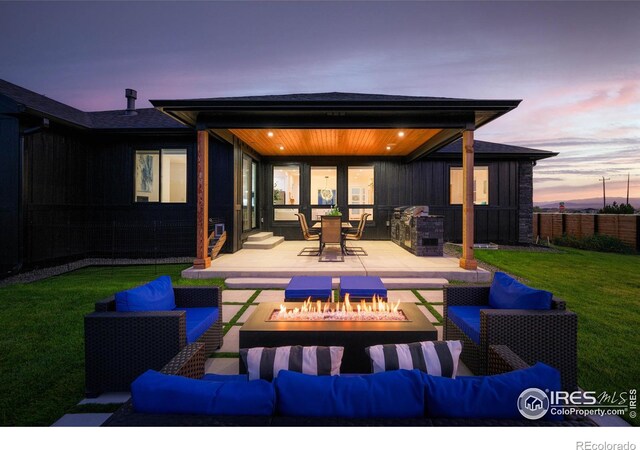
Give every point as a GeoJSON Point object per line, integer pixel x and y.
{"type": "Point", "coordinates": [136, 182]}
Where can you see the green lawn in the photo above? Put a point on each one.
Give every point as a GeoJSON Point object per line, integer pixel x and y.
{"type": "Point", "coordinates": [42, 338]}
{"type": "Point", "coordinates": [604, 290]}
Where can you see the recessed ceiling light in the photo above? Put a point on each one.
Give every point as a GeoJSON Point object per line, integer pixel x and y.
{"type": "Point", "coordinates": [401, 133]}
{"type": "Point", "coordinates": [388, 147]}
{"type": "Point", "coordinates": [270, 134]}
{"type": "Point", "coordinates": [281, 147]}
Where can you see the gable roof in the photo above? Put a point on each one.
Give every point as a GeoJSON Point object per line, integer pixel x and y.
{"type": "Point", "coordinates": [492, 148]}
{"type": "Point", "coordinates": [146, 118]}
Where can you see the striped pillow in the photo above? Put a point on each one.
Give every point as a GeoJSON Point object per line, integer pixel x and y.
{"type": "Point", "coordinates": [265, 362]}
{"type": "Point", "coordinates": [433, 357]}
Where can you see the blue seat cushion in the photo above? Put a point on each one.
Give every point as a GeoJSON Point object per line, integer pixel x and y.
{"type": "Point", "coordinates": [199, 320]}
{"type": "Point", "coordinates": [467, 318]}
{"type": "Point", "coordinates": [156, 295]}
{"type": "Point", "coordinates": [508, 293]}
{"type": "Point", "coordinates": [303, 287]}
{"type": "Point", "coordinates": [222, 377]}
{"type": "Point", "coordinates": [487, 397]}
{"type": "Point", "coordinates": [157, 393]}
{"type": "Point", "coordinates": [397, 394]}
{"type": "Point", "coordinates": [359, 286]}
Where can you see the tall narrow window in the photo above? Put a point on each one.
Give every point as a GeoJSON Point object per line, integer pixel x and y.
{"type": "Point", "coordinates": [480, 185]}
{"type": "Point", "coordinates": [286, 192]}
{"type": "Point", "coordinates": [361, 191]}
{"type": "Point", "coordinates": [161, 176]}
{"type": "Point", "coordinates": [324, 190]}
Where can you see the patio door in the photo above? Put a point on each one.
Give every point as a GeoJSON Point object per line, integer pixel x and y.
{"type": "Point", "coordinates": [249, 194]}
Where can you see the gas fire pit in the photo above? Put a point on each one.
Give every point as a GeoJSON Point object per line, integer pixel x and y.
{"type": "Point", "coordinates": [275, 325]}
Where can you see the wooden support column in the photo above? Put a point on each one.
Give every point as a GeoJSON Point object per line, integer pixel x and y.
{"type": "Point", "coordinates": [203, 260]}
{"type": "Point", "coordinates": [467, 261]}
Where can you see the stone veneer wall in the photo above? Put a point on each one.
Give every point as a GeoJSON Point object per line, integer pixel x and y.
{"type": "Point", "coordinates": [525, 202]}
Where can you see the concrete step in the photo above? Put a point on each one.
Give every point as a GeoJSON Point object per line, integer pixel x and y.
{"type": "Point", "coordinates": [263, 244]}
{"type": "Point", "coordinates": [281, 283]}
{"type": "Point", "coordinates": [260, 236]}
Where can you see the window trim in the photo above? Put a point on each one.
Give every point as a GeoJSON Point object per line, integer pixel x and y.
{"type": "Point", "coordinates": [160, 151]}
{"type": "Point", "coordinates": [455, 166]}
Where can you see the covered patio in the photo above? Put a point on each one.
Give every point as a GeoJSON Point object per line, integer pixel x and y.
{"type": "Point", "coordinates": [345, 131]}
{"type": "Point", "coordinates": [385, 259]}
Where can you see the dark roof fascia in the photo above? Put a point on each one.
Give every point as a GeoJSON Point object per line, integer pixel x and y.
{"type": "Point", "coordinates": [163, 131]}
{"type": "Point", "coordinates": [10, 106]}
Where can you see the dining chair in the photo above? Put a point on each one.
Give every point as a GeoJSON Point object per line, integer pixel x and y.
{"type": "Point", "coordinates": [308, 236]}
{"type": "Point", "coordinates": [359, 251]}
{"type": "Point", "coordinates": [331, 233]}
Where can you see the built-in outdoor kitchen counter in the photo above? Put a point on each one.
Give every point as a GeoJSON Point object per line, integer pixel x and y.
{"type": "Point", "coordinates": [413, 229]}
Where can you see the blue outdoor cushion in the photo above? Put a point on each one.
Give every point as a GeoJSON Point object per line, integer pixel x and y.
{"type": "Point", "coordinates": [157, 295]}
{"type": "Point", "coordinates": [157, 393]}
{"type": "Point", "coordinates": [221, 377]}
{"type": "Point", "coordinates": [359, 286]}
{"type": "Point", "coordinates": [507, 293]}
{"type": "Point", "coordinates": [199, 320]}
{"type": "Point", "coordinates": [467, 318]}
{"type": "Point", "coordinates": [397, 393]}
{"type": "Point", "coordinates": [487, 397]}
{"type": "Point", "coordinates": [303, 287]}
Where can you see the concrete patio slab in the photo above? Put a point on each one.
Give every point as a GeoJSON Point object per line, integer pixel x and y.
{"type": "Point", "coordinates": [231, 340]}
{"type": "Point", "coordinates": [440, 331]}
{"type": "Point", "coordinates": [247, 313]}
{"type": "Point", "coordinates": [414, 283]}
{"type": "Point", "coordinates": [107, 398]}
{"type": "Point", "coordinates": [385, 259]}
{"type": "Point", "coordinates": [237, 295]}
{"type": "Point", "coordinates": [439, 308]}
{"type": "Point", "coordinates": [403, 296]}
{"type": "Point", "coordinates": [82, 420]}
{"type": "Point", "coordinates": [229, 311]}
{"type": "Point", "coordinates": [269, 296]}
{"type": "Point", "coordinates": [223, 366]}
{"type": "Point", "coordinates": [432, 296]}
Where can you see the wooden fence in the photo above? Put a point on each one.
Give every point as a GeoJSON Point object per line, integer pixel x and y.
{"type": "Point", "coordinates": [624, 227]}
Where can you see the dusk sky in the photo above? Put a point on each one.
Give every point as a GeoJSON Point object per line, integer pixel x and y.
{"type": "Point", "coordinates": [576, 65]}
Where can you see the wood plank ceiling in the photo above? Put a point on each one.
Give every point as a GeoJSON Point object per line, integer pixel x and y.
{"type": "Point", "coordinates": [332, 142]}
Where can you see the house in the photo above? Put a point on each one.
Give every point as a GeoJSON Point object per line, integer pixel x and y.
{"type": "Point", "coordinates": [144, 182]}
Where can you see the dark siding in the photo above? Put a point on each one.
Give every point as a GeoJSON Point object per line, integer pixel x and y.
{"type": "Point", "coordinates": [424, 182]}
{"type": "Point", "coordinates": [220, 187]}
{"type": "Point", "coordinates": [79, 201]}
{"type": "Point", "coordinates": [9, 194]}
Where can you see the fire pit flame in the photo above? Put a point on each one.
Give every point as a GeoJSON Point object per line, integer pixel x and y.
{"type": "Point", "coordinates": [378, 310]}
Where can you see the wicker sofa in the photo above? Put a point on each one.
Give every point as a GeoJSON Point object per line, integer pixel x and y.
{"type": "Point", "coordinates": [190, 363]}
{"type": "Point", "coordinates": [119, 346]}
{"type": "Point", "coordinates": [548, 336]}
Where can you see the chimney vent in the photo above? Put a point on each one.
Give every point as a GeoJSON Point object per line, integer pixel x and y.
{"type": "Point", "coordinates": [131, 95]}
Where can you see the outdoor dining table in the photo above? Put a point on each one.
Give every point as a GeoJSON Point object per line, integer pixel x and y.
{"type": "Point", "coordinates": [345, 225]}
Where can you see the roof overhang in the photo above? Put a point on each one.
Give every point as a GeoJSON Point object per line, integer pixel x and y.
{"type": "Point", "coordinates": [448, 116]}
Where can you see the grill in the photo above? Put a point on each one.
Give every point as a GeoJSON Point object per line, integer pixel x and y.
{"type": "Point", "coordinates": [415, 230]}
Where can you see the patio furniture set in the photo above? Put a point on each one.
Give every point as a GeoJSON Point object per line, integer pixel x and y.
{"type": "Point", "coordinates": [332, 231]}
{"type": "Point", "coordinates": [510, 329]}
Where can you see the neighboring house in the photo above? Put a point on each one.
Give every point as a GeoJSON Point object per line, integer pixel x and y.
{"type": "Point", "coordinates": [124, 183]}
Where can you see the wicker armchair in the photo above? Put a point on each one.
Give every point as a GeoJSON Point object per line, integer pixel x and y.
{"type": "Point", "coordinates": [190, 363]}
{"type": "Point", "coordinates": [536, 336]}
{"type": "Point", "coordinates": [119, 346]}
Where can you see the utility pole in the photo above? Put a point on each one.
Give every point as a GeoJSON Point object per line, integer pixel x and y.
{"type": "Point", "coordinates": [604, 193]}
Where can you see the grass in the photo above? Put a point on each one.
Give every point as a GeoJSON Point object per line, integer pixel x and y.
{"type": "Point", "coordinates": [604, 290]}
{"type": "Point", "coordinates": [42, 338]}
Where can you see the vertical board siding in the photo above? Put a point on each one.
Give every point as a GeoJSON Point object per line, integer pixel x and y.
{"type": "Point", "coordinates": [424, 182]}
{"type": "Point", "coordinates": [10, 203]}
